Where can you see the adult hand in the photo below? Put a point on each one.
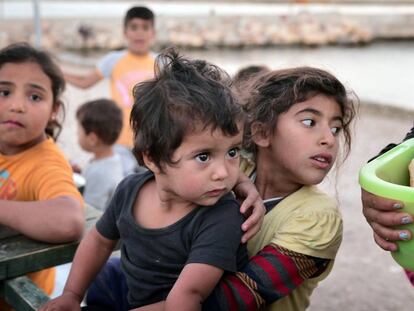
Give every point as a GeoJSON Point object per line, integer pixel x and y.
{"type": "Point", "coordinates": [382, 214]}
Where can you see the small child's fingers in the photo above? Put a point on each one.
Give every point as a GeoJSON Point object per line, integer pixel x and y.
{"type": "Point", "coordinates": [246, 237]}
{"type": "Point", "coordinates": [252, 224]}
{"type": "Point", "coordinates": [250, 233]}
{"type": "Point", "coordinates": [246, 205]}
{"type": "Point", "coordinates": [255, 215]}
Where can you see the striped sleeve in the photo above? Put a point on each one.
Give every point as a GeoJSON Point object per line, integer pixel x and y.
{"type": "Point", "coordinates": [270, 275]}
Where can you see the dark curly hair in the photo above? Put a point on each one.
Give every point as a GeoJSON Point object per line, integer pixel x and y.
{"type": "Point", "coordinates": [183, 95]}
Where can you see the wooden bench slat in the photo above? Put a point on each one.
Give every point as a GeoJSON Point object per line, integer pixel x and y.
{"type": "Point", "coordinates": [20, 255]}
{"type": "Point", "coordinates": [23, 295]}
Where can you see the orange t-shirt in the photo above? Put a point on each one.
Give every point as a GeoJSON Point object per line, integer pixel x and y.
{"type": "Point", "coordinates": [125, 70]}
{"type": "Point", "coordinates": [39, 173]}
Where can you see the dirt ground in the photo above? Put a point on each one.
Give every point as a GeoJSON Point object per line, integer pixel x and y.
{"type": "Point", "coordinates": [364, 277]}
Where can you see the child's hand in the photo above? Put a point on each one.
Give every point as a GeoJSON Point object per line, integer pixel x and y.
{"type": "Point", "coordinates": [66, 302]}
{"type": "Point", "coordinates": [252, 207]}
{"type": "Point", "coordinates": [76, 168]}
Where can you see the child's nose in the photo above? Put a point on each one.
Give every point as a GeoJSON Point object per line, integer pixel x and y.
{"type": "Point", "coordinates": [17, 105]}
{"type": "Point", "coordinates": [220, 171]}
{"type": "Point", "coordinates": [328, 138]}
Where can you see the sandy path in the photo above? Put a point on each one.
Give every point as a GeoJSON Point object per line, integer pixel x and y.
{"type": "Point", "coordinates": [364, 277]}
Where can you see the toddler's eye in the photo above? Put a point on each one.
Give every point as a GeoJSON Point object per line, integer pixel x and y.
{"type": "Point", "coordinates": [202, 157]}
{"type": "Point", "coordinates": [308, 122]}
{"type": "Point", "coordinates": [233, 153]}
{"type": "Point", "coordinates": [34, 97]}
{"type": "Point", "coordinates": [4, 93]}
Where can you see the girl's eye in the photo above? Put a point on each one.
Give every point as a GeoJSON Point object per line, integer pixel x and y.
{"type": "Point", "coordinates": [336, 130]}
{"type": "Point", "coordinates": [233, 153]}
{"type": "Point", "coordinates": [202, 157]}
{"type": "Point", "coordinates": [34, 97]}
{"type": "Point", "coordinates": [4, 93]}
{"type": "Point", "coordinates": [308, 122]}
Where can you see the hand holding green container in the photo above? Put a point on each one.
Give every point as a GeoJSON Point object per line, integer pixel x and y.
{"type": "Point", "coordinates": [388, 176]}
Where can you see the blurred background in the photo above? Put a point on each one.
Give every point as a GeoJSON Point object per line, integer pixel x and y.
{"type": "Point", "coordinates": [368, 45]}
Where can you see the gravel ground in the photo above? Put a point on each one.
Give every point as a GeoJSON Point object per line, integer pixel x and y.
{"type": "Point", "coordinates": [364, 277]}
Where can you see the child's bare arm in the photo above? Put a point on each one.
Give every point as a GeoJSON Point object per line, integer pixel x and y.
{"type": "Point", "coordinates": [90, 256]}
{"type": "Point", "coordinates": [195, 283]}
{"type": "Point", "coordinates": [83, 81]}
{"type": "Point", "coordinates": [193, 286]}
{"type": "Point", "coordinates": [55, 220]}
{"type": "Point", "coordinates": [252, 206]}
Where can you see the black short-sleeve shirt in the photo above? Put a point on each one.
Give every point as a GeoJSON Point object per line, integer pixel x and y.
{"type": "Point", "coordinates": [152, 259]}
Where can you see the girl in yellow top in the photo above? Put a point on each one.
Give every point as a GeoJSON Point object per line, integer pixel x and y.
{"type": "Point", "coordinates": [296, 120]}
{"type": "Point", "coordinates": [37, 194]}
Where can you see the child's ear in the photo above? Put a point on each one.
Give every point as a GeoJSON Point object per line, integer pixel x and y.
{"type": "Point", "coordinates": [55, 110]}
{"type": "Point", "coordinates": [53, 117]}
{"type": "Point", "coordinates": [260, 134]}
{"type": "Point", "coordinates": [93, 138]}
{"type": "Point", "coordinates": [150, 164]}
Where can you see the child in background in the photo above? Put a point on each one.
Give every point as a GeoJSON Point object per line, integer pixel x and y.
{"type": "Point", "coordinates": [241, 84]}
{"type": "Point", "coordinates": [37, 194]}
{"type": "Point", "coordinates": [245, 76]}
{"type": "Point", "coordinates": [180, 227]}
{"type": "Point", "coordinates": [99, 125]}
{"type": "Point", "coordinates": [125, 68]}
{"type": "Point", "coordinates": [295, 118]}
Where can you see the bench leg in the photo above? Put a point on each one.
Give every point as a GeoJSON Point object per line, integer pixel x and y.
{"type": "Point", "coordinates": [23, 295]}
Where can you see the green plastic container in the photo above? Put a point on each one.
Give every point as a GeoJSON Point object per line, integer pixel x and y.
{"type": "Point", "coordinates": [388, 176]}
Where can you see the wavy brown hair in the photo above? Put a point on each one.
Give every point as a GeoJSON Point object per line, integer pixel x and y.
{"type": "Point", "coordinates": [275, 92]}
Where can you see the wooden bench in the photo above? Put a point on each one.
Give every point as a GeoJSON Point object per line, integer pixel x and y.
{"type": "Point", "coordinates": [20, 255]}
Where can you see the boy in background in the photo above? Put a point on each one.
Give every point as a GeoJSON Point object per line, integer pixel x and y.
{"type": "Point", "coordinates": [99, 126]}
{"type": "Point", "coordinates": [125, 68]}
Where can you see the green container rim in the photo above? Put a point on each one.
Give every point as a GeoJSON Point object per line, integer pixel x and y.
{"type": "Point", "coordinates": [369, 180]}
